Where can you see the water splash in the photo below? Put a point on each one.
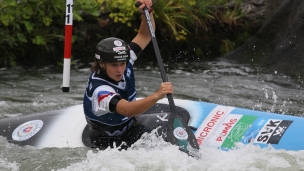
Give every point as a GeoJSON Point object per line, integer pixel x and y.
{"type": "Point", "coordinates": [274, 97]}
{"type": "Point", "coordinates": [9, 166]}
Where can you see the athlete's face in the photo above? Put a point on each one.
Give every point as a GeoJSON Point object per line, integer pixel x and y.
{"type": "Point", "coordinates": [115, 70]}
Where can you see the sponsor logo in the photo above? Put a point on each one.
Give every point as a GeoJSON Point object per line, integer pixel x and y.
{"type": "Point", "coordinates": [117, 132]}
{"type": "Point", "coordinates": [128, 72]}
{"type": "Point", "coordinates": [121, 57]}
{"type": "Point", "coordinates": [119, 48]}
{"type": "Point", "coordinates": [120, 132]}
{"type": "Point", "coordinates": [180, 133]}
{"type": "Point", "coordinates": [117, 43]}
{"type": "Point", "coordinates": [122, 53]}
{"type": "Point", "coordinates": [210, 124]}
{"type": "Point", "coordinates": [226, 127]}
{"type": "Point", "coordinates": [250, 136]}
{"type": "Point", "coordinates": [164, 118]}
{"type": "Point", "coordinates": [27, 130]}
{"type": "Point", "coordinates": [97, 56]}
{"type": "Point", "coordinates": [239, 129]}
{"type": "Point", "coordinates": [273, 131]}
{"type": "Point", "coordinates": [253, 131]}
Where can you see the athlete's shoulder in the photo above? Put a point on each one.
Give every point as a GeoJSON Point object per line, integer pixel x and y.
{"type": "Point", "coordinates": [105, 89]}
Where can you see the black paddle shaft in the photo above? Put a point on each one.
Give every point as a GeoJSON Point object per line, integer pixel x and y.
{"type": "Point", "coordinates": [178, 132]}
{"type": "Point", "coordinates": [159, 58]}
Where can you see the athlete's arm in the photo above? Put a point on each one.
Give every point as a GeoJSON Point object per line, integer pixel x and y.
{"type": "Point", "coordinates": [137, 107]}
{"type": "Point", "coordinates": [105, 100]}
{"type": "Point", "coordinates": [143, 36]}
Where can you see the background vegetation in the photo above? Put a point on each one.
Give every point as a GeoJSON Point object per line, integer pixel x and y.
{"type": "Point", "coordinates": [32, 31]}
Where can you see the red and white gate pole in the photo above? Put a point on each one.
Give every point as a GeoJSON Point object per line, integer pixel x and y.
{"type": "Point", "coordinates": [67, 46]}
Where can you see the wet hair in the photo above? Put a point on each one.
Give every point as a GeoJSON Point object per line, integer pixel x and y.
{"type": "Point", "coordinates": [96, 66]}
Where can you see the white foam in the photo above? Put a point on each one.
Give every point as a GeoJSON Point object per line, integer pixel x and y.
{"type": "Point", "coordinates": [166, 157]}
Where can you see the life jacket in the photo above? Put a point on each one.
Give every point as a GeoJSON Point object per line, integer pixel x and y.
{"type": "Point", "coordinates": [110, 123]}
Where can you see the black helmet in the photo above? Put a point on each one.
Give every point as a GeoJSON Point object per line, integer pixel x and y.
{"type": "Point", "coordinates": [112, 50]}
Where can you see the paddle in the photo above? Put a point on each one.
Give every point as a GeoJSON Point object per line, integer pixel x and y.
{"type": "Point", "coordinates": [178, 132]}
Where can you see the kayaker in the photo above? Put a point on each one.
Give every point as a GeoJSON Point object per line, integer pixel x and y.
{"type": "Point", "coordinates": [110, 104]}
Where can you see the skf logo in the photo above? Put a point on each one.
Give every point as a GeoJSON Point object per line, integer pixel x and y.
{"type": "Point", "coordinates": [273, 131]}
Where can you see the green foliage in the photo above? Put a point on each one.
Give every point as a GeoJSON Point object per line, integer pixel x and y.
{"type": "Point", "coordinates": [203, 29]}
{"type": "Point", "coordinates": [31, 31]}
{"type": "Point", "coordinates": [211, 27]}
{"type": "Point", "coordinates": [179, 16]}
{"type": "Point", "coordinates": [122, 11]}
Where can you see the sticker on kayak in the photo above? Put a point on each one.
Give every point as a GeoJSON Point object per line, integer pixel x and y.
{"type": "Point", "coordinates": [210, 124]}
{"type": "Point", "coordinates": [180, 133]}
{"type": "Point", "coordinates": [27, 130]}
{"type": "Point", "coordinates": [273, 131]}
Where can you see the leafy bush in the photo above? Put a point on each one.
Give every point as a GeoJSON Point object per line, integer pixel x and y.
{"type": "Point", "coordinates": [32, 32]}
{"type": "Point", "coordinates": [203, 29]}
{"type": "Point", "coordinates": [122, 11]}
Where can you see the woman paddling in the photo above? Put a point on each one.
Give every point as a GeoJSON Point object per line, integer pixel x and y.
{"type": "Point", "coordinates": [110, 103]}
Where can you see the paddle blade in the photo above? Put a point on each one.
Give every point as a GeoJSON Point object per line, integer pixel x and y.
{"type": "Point", "coordinates": [179, 133]}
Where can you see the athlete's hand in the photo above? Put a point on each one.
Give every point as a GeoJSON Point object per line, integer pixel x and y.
{"type": "Point", "coordinates": [164, 89]}
{"type": "Point", "coordinates": [144, 3]}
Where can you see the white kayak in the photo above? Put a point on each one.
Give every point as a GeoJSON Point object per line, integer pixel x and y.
{"type": "Point", "coordinates": [213, 125]}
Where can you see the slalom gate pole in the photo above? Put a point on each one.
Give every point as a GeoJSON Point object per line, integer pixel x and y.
{"type": "Point", "coordinates": [67, 46]}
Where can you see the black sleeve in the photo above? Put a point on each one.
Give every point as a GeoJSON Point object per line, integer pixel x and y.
{"type": "Point", "coordinates": [113, 103]}
{"type": "Point", "coordinates": [136, 48]}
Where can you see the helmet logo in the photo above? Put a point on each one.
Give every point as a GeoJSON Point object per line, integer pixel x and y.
{"type": "Point", "coordinates": [119, 48]}
{"type": "Point", "coordinates": [121, 52]}
{"type": "Point", "coordinates": [117, 43]}
{"type": "Point", "coordinates": [97, 56]}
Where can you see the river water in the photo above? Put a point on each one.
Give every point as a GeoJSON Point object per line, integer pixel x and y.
{"type": "Point", "coordinates": [28, 91]}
